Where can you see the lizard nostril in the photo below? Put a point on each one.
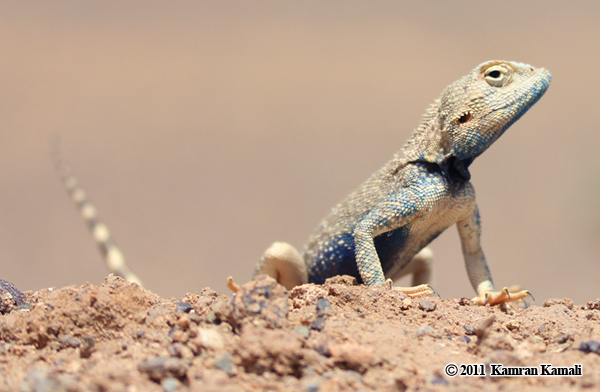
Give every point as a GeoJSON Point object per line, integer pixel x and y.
{"type": "Point", "coordinates": [464, 118]}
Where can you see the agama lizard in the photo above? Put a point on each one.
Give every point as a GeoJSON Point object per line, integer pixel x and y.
{"type": "Point", "coordinates": [381, 230]}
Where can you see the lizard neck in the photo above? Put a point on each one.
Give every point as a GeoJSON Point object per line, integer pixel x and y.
{"type": "Point", "coordinates": [456, 170]}
{"type": "Point", "coordinates": [434, 148]}
{"type": "Point", "coordinates": [431, 143]}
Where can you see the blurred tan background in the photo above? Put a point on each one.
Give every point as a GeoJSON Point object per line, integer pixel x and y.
{"type": "Point", "coordinates": [205, 131]}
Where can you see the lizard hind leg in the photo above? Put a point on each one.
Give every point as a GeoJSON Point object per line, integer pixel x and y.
{"type": "Point", "coordinates": [421, 269]}
{"type": "Point", "coordinates": [284, 263]}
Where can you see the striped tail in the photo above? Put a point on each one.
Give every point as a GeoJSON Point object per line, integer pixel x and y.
{"type": "Point", "coordinates": [110, 252]}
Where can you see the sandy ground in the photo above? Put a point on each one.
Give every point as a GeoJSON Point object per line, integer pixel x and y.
{"type": "Point", "coordinates": [340, 336]}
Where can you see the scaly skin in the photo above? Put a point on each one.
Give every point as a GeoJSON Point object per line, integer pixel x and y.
{"type": "Point", "coordinates": [381, 230]}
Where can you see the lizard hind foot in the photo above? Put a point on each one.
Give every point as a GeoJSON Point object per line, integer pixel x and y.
{"type": "Point", "coordinates": [422, 290]}
{"type": "Point", "coordinates": [498, 297]}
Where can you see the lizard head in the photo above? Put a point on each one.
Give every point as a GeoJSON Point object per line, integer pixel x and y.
{"type": "Point", "coordinates": [482, 105]}
{"type": "Point", "coordinates": [474, 112]}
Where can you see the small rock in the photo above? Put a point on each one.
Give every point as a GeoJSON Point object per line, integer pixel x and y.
{"type": "Point", "coordinates": [180, 351]}
{"type": "Point", "coordinates": [323, 306]}
{"type": "Point", "coordinates": [208, 338]}
{"type": "Point", "coordinates": [594, 305]}
{"type": "Point", "coordinates": [69, 341]}
{"type": "Point", "coordinates": [318, 324]}
{"type": "Point", "coordinates": [405, 304]}
{"type": "Point", "coordinates": [426, 305]}
{"type": "Point", "coordinates": [426, 330]}
{"type": "Point", "coordinates": [439, 381]}
{"type": "Point", "coordinates": [513, 325]}
{"type": "Point", "coordinates": [225, 364]}
{"type": "Point", "coordinates": [87, 347]}
{"type": "Point", "coordinates": [562, 338]}
{"type": "Point", "coordinates": [10, 297]}
{"type": "Point", "coordinates": [555, 301]}
{"type": "Point", "coordinates": [591, 346]}
{"type": "Point", "coordinates": [302, 331]}
{"type": "Point", "coordinates": [465, 339]}
{"type": "Point", "coordinates": [17, 296]}
{"type": "Point", "coordinates": [159, 368]}
{"type": "Point", "coordinates": [469, 329]}
{"type": "Point", "coordinates": [464, 301]}
{"type": "Point", "coordinates": [184, 307]}
{"type": "Point", "coordinates": [169, 384]}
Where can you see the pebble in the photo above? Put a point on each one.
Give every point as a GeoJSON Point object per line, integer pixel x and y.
{"type": "Point", "coordinates": [465, 339]}
{"type": "Point", "coordinates": [591, 346]}
{"type": "Point", "coordinates": [318, 324]}
{"type": "Point", "coordinates": [159, 368]}
{"type": "Point", "coordinates": [426, 330]}
{"type": "Point", "coordinates": [302, 331]}
{"type": "Point", "coordinates": [426, 305]}
{"type": "Point", "coordinates": [225, 364]}
{"type": "Point", "coordinates": [169, 384]}
{"type": "Point", "coordinates": [323, 305]}
{"type": "Point", "coordinates": [185, 307]}
{"type": "Point", "coordinates": [87, 347]}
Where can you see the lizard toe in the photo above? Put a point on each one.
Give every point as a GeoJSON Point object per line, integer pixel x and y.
{"type": "Point", "coordinates": [498, 297]}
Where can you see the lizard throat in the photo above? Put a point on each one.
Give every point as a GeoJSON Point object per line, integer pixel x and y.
{"type": "Point", "coordinates": [456, 170]}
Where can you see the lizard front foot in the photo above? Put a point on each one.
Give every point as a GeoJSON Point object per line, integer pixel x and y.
{"type": "Point", "coordinates": [421, 290]}
{"type": "Point", "coordinates": [498, 297]}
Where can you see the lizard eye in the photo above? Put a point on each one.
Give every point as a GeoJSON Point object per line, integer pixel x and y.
{"type": "Point", "coordinates": [497, 76]}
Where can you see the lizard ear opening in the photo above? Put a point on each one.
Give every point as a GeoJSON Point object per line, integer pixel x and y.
{"type": "Point", "coordinates": [464, 118]}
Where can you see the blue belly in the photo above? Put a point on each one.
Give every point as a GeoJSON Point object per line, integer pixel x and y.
{"type": "Point", "coordinates": [338, 258]}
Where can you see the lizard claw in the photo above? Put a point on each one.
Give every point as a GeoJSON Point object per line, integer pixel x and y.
{"type": "Point", "coordinates": [498, 297]}
{"type": "Point", "coordinates": [389, 283]}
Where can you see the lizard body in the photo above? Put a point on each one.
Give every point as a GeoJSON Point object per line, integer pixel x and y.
{"type": "Point", "coordinates": [381, 230]}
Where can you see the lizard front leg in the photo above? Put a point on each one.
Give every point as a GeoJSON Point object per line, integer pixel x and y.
{"type": "Point", "coordinates": [390, 215]}
{"type": "Point", "coordinates": [469, 230]}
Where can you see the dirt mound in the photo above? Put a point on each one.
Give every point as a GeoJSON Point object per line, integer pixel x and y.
{"type": "Point", "coordinates": [340, 336]}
